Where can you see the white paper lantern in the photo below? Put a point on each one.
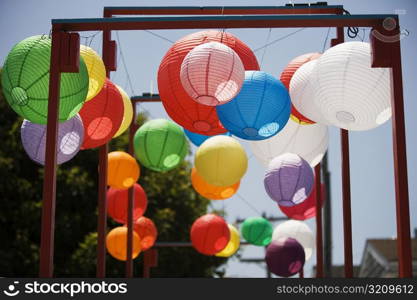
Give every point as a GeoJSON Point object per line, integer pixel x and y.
{"type": "Point", "coordinates": [297, 230]}
{"type": "Point", "coordinates": [302, 91]}
{"type": "Point", "coordinates": [308, 141]}
{"type": "Point", "coordinates": [350, 93]}
{"type": "Point", "coordinates": [212, 73]}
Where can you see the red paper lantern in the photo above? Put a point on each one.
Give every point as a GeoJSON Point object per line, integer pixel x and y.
{"type": "Point", "coordinates": [210, 234]}
{"type": "Point", "coordinates": [117, 203]}
{"type": "Point", "coordinates": [102, 116]}
{"type": "Point", "coordinates": [147, 232]}
{"type": "Point", "coordinates": [179, 105]}
{"type": "Point", "coordinates": [287, 74]}
{"type": "Point", "coordinates": [307, 209]}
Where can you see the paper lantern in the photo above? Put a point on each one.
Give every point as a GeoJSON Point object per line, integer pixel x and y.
{"type": "Point", "coordinates": [310, 142]}
{"type": "Point", "coordinates": [287, 75]}
{"type": "Point", "coordinates": [212, 73]}
{"type": "Point", "coordinates": [117, 203]}
{"type": "Point", "coordinates": [233, 244]}
{"type": "Point", "coordinates": [96, 71]}
{"type": "Point", "coordinates": [221, 161]}
{"type": "Point", "coordinates": [306, 209]}
{"type": "Point", "coordinates": [210, 191]}
{"type": "Point", "coordinates": [285, 257]}
{"type": "Point", "coordinates": [302, 93]}
{"type": "Point", "coordinates": [198, 139]}
{"type": "Point", "coordinates": [25, 81]}
{"type": "Point", "coordinates": [102, 116]}
{"type": "Point", "coordinates": [257, 231]}
{"type": "Point", "coordinates": [259, 111]}
{"type": "Point", "coordinates": [147, 232]}
{"type": "Point", "coordinates": [160, 145]}
{"type": "Point", "coordinates": [209, 234]}
{"type": "Point", "coordinates": [127, 112]}
{"type": "Point", "coordinates": [179, 105]}
{"type": "Point", "coordinates": [116, 243]}
{"type": "Point", "coordinates": [349, 92]}
{"type": "Point", "coordinates": [289, 179]}
{"type": "Point", "coordinates": [122, 170]}
{"type": "Point", "coordinates": [299, 231]}
{"type": "Point", "coordinates": [70, 137]}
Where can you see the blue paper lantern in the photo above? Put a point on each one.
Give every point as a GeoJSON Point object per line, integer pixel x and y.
{"type": "Point", "coordinates": [260, 110]}
{"type": "Point", "coordinates": [198, 139]}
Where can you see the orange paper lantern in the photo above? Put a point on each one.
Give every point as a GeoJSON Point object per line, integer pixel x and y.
{"type": "Point", "coordinates": [116, 243]}
{"type": "Point", "coordinates": [122, 171]}
{"type": "Point", "coordinates": [210, 191]}
{"type": "Point", "coordinates": [147, 232]}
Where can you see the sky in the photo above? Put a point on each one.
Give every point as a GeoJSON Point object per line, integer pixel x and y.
{"type": "Point", "coordinates": [372, 180]}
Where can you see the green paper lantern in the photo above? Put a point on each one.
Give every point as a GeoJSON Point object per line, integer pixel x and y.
{"type": "Point", "coordinates": [257, 231]}
{"type": "Point", "coordinates": [25, 80]}
{"type": "Point", "coordinates": [160, 145]}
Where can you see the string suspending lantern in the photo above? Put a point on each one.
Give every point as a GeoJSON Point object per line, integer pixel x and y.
{"type": "Point", "coordinates": [210, 191]}
{"type": "Point", "coordinates": [289, 179]}
{"type": "Point", "coordinates": [70, 137]}
{"type": "Point", "coordinates": [257, 231]}
{"type": "Point", "coordinates": [179, 105]}
{"type": "Point", "coordinates": [147, 232]}
{"type": "Point", "coordinates": [127, 112]}
{"type": "Point", "coordinates": [285, 257]}
{"type": "Point", "coordinates": [259, 111]}
{"type": "Point", "coordinates": [122, 170]}
{"type": "Point", "coordinates": [299, 231]}
{"type": "Point", "coordinates": [230, 157]}
{"type": "Point", "coordinates": [233, 244]}
{"type": "Point", "coordinates": [96, 71]}
{"type": "Point", "coordinates": [116, 243]}
{"type": "Point", "coordinates": [310, 142]}
{"type": "Point", "coordinates": [117, 203]}
{"type": "Point", "coordinates": [212, 74]}
{"type": "Point", "coordinates": [102, 116]}
{"type": "Point", "coordinates": [25, 82]}
{"type": "Point", "coordinates": [160, 145]}
{"type": "Point", "coordinates": [198, 139]}
{"type": "Point", "coordinates": [209, 234]}
{"type": "Point", "coordinates": [286, 77]}
{"type": "Point", "coordinates": [348, 91]}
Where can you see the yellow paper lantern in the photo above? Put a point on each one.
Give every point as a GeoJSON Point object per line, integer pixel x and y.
{"type": "Point", "coordinates": [128, 112]}
{"type": "Point", "coordinates": [96, 71]}
{"type": "Point", "coordinates": [221, 161]}
{"type": "Point", "coordinates": [233, 244]}
{"type": "Point", "coordinates": [116, 243]}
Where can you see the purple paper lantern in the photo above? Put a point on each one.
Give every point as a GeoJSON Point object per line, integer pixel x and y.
{"type": "Point", "coordinates": [70, 138]}
{"type": "Point", "coordinates": [289, 179]}
{"type": "Point", "coordinates": [285, 257]}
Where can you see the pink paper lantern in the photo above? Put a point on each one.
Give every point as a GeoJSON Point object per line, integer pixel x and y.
{"type": "Point", "coordinates": [212, 74]}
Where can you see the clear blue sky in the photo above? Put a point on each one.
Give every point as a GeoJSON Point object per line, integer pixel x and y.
{"type": "Point", "coordinates": [373, 203]}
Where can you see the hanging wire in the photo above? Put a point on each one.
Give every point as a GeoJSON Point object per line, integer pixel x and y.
{"type": "Point", "coordinates": [325, 40]}
{"type": "Point", "coordinates": [352, 32]}
{"type": "Point", "coordinates": [124, 64]}
{"type": "Point", "coordinates": [266, 43]}
{"type": "Point", "coordinates": [159, 36]}
{"type": "Point", "coordinates": [279, 39]}
{"type": "Point", "coordinates": [248, 204]}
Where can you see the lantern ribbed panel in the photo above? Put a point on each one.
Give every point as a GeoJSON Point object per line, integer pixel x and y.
{"type": "Point", "coordinates": [179, 105]}
{"type": "Point", "coordinates": [198, 139]}
{"type": "Point", "coordinates": [310, 142]}
{"type": "Point", "coordinates": [70, 137]}
{"type": "Point", "coordinates": [285, 257]}
{"type": "Point", "coordinates": [96, 71]}
{"type": "Point", "coordinates": [122, 170]}
{"type": "Point", "coordinates": [160, 145]}
{"type": "Point", "coordinates": [147, 232]}
{"type": "Point", "coordinates": [25, 81]}
{"type": "Point", "coordinates": [127, 112]}
{"type": "Point", "coordinates": [289, 179]}
{"type": "Point", "coordinates": [102, 116]}
{"type": "Point", "coordinates": [233, 244]}
{"type": "Point", "coordinates": [116, 243]}
{"type": "Point", "coordinates": [212, 74]}
{"type": "Point", "coordinates": [221, 161]}
{"type": "Point", "coordinates": [117, 203]}
{"type": "Point", "coordinates": [259, 111]}
{"type": "Point", "coordinates": [257, 231]}
{"type": "Point", "coordinates": [209, 234]}
{"type": "Point", "coordinates": [210, 191]}
{"type": "Point", "coordinates": [349, 92]}
{"type": "Point", "coordinates": [302, 92]}
{"type": "Point", "coordinates": [299, 231]}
